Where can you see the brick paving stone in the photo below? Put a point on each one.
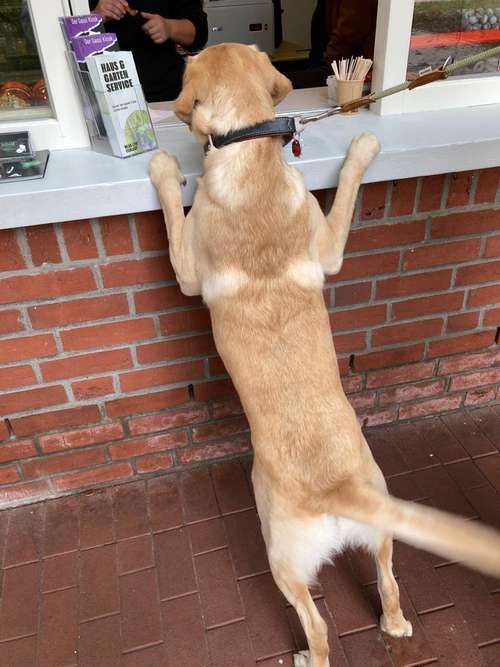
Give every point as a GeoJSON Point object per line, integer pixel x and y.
{"type": "Point", "coordinates": [467, 474]}
{"type": "Point", "coordinates": [445, 445]}
{"type": "Point", "coordinates": [96, 519]}
{"type": "Point", "coordinates": [265, 615]}
{"type": "Point", "coordinates": [488, 422]}
{"type": "Point", "coordinates": [24, 535]}
{"type": "Point", "coordinates": [61, 526]}
{"type": "Point", "coordinates": [246, 543]}
{"type": "Point", "coordinates": [134, 554]}
{"type": "Point", "coordinates": [470, 594]}
{"type": "Point", "coordinates": [230, 645]}
{"type": "Point", "coordinates": [57, 643]}
{"type": "Point", "coordinates": [231, 487]}
{"type": "Point", "coordinates": [140, 610]}
{"type": "Point", "coordinates": [128, 523]}
{"type": "Point", "coordinates": [98, 583]}
{"type": "Point", "coordinates": [417, 451]}
{"type": "Point", "coordinates": [219, 595]}
{"type": "Point", "coordinates": [198, 496]}
{"type": "Point", "coordinates": [60, 572]}
{"type": "Point", "coordinates": [19, 611]}
{"type": "Point", "coordinates": [366, 648]}
{"type": "Point", "coordinates": [345, 598]}
{"type": "Point", "coordinates": [464, 428]}
{"type": "Point", "coordinates": [99, 644]}
{"type": "Point", "coordinates": [386, 454]}
{"type": "Point", "coordinates": [404, 486]}
{"type": "Point", "coordinates": [19, 652]}
{"type": "Point", "coordinates": [174, 563]}
{"type": "Point", "coordinates": [490, 467]}
{"type": "Point", "coordinates": [363, 566]}
{"type": "Point", "coordinates": [449, 636]}
{"type": "Point", "coordinates": [486, 502]}
{"type": "Point", "coordinates": [207, 535]}
{"type": "Point", "coordinates": [154, 656]}
{"type": "Point", "coordinates": [437, 485]}
{"type": "Point", "coordinates": [420, 579]}
{"type": "Point", "coordinates": [164, 500]}
{"type": "Point", "coordinates": [491, 655]}
{"type": "Point", "coordinates": [184, 632]}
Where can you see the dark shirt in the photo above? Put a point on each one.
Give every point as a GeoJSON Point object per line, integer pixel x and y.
{"type": "Point", "coordinates": [160, 66]}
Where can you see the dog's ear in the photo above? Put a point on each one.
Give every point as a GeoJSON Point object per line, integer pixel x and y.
{"type": "Point", "coordinates": [195, 90]}
{"type": "Point", "coordinates": [276, 83]}
{"type": "Point", "coordinates": [185, 103]}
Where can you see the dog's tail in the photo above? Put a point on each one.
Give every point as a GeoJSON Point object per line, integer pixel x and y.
{"type": "Point", "coordinates": [470, 542]}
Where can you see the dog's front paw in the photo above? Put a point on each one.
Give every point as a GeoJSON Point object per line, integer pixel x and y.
{"type": "Point", "coordinates": [164, 166]}
{"type": "Point", "coordinates": [399, 628]}
{"type": "Point", "coordinates": [301, 659]}
{"type": "Point", "coordinates": [364, 148]}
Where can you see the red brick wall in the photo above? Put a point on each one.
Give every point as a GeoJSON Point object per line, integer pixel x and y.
{"type": "Point", "coordinates": [108, 372]}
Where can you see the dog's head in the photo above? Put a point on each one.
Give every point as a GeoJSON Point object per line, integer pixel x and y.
{"type": "Point", "coordinates": [227, 87]}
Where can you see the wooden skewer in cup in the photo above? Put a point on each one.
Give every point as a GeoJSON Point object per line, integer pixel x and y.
{"type": "Point", "coordinates": [350, 75]}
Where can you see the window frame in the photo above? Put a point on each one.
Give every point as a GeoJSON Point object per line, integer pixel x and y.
{"type": "Point", "coordinates": [392, 44]}
{"type": "Point", "coordinates": [66, 128]}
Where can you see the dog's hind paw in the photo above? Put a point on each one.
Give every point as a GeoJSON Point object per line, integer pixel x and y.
{"type": "Point", "coordinates": [301, 659]}
{"type": "Point", "coordinates": [401, 628]}
{"type": "Point", "coordinates": [165, 166]}
{"type": "Point", "coordinates": [364, 148]}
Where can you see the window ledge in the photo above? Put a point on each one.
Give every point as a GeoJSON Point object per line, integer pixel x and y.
{"type": "Point", "coordinates": [83, 184]}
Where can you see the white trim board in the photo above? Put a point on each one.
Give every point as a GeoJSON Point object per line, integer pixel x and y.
{"type": "Point", "coordinates": [82, 184]}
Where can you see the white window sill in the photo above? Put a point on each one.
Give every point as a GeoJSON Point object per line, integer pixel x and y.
{"type": "Point", "coordinates": [83, 184]}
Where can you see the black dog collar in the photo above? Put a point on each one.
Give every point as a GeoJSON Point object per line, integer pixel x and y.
{"type": "Point", "coordinates": [284, 126]}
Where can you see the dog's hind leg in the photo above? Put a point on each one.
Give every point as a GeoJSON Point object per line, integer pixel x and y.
{"type": "Point", "coordinates": [392, 621]}
{"type": "Point", "coordinates": [332, 232]}
{"type": "Point", "coordinates": [315, 629]}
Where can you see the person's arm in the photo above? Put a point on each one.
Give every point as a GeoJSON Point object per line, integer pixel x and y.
{"type": "Point", "coordinates": [187, 25]}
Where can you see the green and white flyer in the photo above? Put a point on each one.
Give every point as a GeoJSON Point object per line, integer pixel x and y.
{"type": "Point", "coordinates": [121, 103]}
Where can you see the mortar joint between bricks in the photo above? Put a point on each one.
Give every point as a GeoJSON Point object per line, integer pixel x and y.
{"type": "Point", "coordinates": [24, 248]}
{"type": "Point", "coordinates": [446, 191]}
{"type": "Point", "coordinates": [136, 248]}
{"type": "Point", "coordinates": [473, 186]}
{"type": "Point", "coordinates": [62, 245]}
{"type": "Point", "coordinates": [96, 228]}
{"type": "Point", "coordinates": [418, 192]}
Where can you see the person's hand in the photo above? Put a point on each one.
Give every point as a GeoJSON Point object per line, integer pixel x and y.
{"type": "Point", "coordinates": [111, 9]}
{"type": "Point", "coordinates": [158, 28]}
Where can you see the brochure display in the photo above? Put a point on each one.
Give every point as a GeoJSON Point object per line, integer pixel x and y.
{"type": "Point", "coordinates": [114, 106]}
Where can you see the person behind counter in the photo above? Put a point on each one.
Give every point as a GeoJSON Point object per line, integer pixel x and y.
{"type": "Point", "coordinates": [151, 29]}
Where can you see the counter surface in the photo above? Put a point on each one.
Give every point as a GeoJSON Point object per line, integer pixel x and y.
{"type": "Point", "coordinates": [83, 184]}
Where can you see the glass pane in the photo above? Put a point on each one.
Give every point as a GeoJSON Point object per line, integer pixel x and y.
{"type": "Point", "coordinates": [23, 94]}
{"type": "Point", "coordinates": [456, 28]}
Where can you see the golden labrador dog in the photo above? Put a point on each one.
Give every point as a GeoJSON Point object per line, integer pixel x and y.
{"type": "Point", "coordinates": [256, 245]}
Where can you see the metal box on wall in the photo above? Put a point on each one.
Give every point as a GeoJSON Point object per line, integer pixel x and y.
{"type": "Point", "coordinates": [241, 21]}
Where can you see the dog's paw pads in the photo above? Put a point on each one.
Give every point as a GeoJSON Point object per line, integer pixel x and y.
{"type": "Point", "coordinates": [163, 166]}
{"type": "Point", "coordinates": [301, 659]}
{"type": "Point", "coordinates": [402, 628]}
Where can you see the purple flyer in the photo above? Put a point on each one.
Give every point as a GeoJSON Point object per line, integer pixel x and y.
{"type": "Point", "coordinates": [92, 44]}
{"type": "Point", "coordinates": [77, 26]}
